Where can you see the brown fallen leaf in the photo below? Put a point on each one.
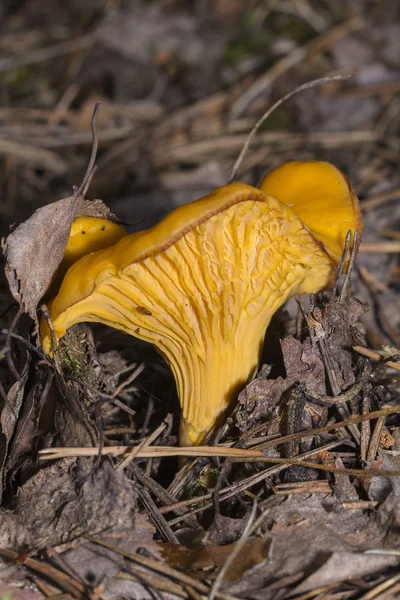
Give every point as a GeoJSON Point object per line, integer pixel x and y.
{"type": "Point", "coordinates": [196, 560]}
{"type": "Point", "coordinates": [35, 249]}
{"type": "Point", "coordinates": [9, 419]}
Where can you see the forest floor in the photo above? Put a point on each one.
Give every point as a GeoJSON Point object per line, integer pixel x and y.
{"type": "Point", "coordinates": [181, 86]}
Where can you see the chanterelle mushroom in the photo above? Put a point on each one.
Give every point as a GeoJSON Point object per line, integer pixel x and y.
{"type": "Point", "coordinates": [203, 284]}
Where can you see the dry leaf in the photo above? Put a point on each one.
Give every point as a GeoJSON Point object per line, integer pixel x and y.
{"type": "Point", "coordinates": [34, 250]}
{"type": "Point", "coordinates": [195, 560]}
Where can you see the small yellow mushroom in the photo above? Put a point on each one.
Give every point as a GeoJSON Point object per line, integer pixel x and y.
{"type": "Point", "coordinates": [203, 284]}
{"type": "Point", "coordinates": [89, 234]}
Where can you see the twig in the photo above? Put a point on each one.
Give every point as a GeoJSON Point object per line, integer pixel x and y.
{"type": "Point", "coordinates": [162, 451]}
{"type": "Point", "coordinates": [341, 264]}
{"type": "Point", "coordinates": [134, 375]}
{"type": "Point", "coordinates": [375, 439]}
{"type": "Point", "coordinates": [346, 396]}
{"type": "Point", "coordinates": [365, 428]}
{"type": "Point", "coordinates": [353, 254]}
{"type": "Point", "coordinates": [304, 86]}
{"type": "Point", "coordinates": [175, 152]}
{"type": "Point", "coordinates": [155, 515]}
{"type": "Point", "coordinates": [136, 450]}
{"type": "Point", "coordinates": [160, 492]}
{"type": "Point", "coordinates": [381, 587]}
{"type": "Point", "coordinates": [82, 189]}
{"type": "Point", "coordinates": [373, 355]}
{"type": "Point", "coordinates": [151, 452]}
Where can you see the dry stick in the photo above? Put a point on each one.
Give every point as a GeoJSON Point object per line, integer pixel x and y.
{"type": "Point", "coordinates": [167, 154]}
{"type": "Point", "coordinates": [161, 493]}
{"type": "Point", "coordinates": [389, 233]}
{"type": "Point", "coordinates": [134, 375]}
{"type": "Point", "coordinates": [142, 446]}
{"type": "Point", "coordinates": [365, 427]}
{"type": "Point", "coordinates": [346, 396]}
{"type": "Point", "coordinates": [341, 265]}
{"type": "Point", "coordinates": [353, 254]}
{"type": "Point", "coordinates": [373, 355]}
{"type": "Point", "coordinates": [130, 573]}
{"type": "Point", "coordinates": [305, 86]}
{"type": "Point", "coordinates": [82, 189]}
{"type": "Point", "coordinates": [235, 551]}
{"type": "Point", "coordinates": [375, 439]}
{"type": "Point", "coordinates": [155, 515]}
{"type": "Point", "coordinates": [152, 451]}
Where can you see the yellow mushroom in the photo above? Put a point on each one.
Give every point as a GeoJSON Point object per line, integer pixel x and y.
{"type": "Point", "coordinates": [203, 284]}
{"type": "Point", "coordinates": [90, 234]}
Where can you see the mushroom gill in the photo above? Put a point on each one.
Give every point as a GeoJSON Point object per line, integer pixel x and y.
{"type": "Point", "coordinates": [202, 286]}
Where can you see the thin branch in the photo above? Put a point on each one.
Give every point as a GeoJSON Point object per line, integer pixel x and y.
{"type": "Point", "coordinates": [95, 145]}
{"type": "Point", "coordinates": [346, 283]}
{"type": "Point", "coordinates": [341, 265]}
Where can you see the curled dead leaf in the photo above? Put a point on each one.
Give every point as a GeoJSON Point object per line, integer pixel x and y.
{"type": "Point", "coordinates": [35, 249]}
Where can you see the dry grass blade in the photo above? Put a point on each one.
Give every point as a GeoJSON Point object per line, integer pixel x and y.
{"type": "Point", "coordinates": [163, 451]}
{"type": "Point", "coordinates": [381, 247]}
{"type": "Point", "coordinates": [305, 86]}
{"type": "Point", "coordinates": [95, 145]}
{"type": "Point", "coordinates": [151, 452]}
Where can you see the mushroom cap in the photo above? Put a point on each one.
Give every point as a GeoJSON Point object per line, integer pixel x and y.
{"type": "Point", "coordinates": [90, 234]}
{"type": "Point", "coordinates": [202, 285]}
{"type": "Point", "coordinates": [323, 198]}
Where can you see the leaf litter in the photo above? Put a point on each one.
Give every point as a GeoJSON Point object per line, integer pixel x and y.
{"type": "Point", "coordinates": [81, 527]}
